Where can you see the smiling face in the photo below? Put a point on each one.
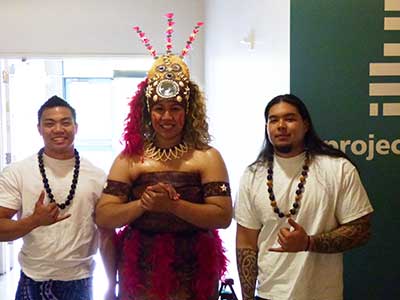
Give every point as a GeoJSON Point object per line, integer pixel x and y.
{"type": "Point", "coordinates": [168, 120]}
{"type": "Point", "coordinates": [286, 129]}
{"type": "Point", "coordinates": [58, 129]}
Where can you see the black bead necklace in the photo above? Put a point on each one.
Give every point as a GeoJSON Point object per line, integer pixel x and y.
{"type": "Point", "coordinates": [299, 191]}
{"type": "Point", "coordinates": [46, 185]}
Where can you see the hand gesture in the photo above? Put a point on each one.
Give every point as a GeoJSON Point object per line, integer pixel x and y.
{"type": "Point", "coordinates": [47, 214]}
{"type": "Point", "coordinates": [159, 197]}
{"type": "Point", "coordinates": [295, 240]}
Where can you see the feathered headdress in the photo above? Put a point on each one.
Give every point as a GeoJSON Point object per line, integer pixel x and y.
{"type": "Point", "coordinates": [167, 79]}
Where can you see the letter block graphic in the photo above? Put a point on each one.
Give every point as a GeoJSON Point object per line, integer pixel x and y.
{"type": "Point", "coordinates": [390, 89]}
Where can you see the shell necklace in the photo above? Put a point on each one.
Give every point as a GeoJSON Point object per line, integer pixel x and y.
{"type": "Point", "coordinates": [299, 192]}
{"type": "Point", "coordinates": [165, 154]}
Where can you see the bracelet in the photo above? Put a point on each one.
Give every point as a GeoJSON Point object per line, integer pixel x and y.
{"type": "Point", "coordinates": [308, 243]}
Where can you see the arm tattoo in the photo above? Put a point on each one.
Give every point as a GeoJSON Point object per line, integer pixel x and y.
{"type": "Point", "coordinates": [247, 268]}
{"type": "Point", "coordinates": [345, 237]}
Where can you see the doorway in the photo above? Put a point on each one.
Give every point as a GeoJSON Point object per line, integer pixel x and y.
{"type": "Point", "coordinates": [99, 90]}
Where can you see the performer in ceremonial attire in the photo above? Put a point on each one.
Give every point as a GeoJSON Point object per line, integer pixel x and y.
{"type": "Point", "coordinates": [168, 188]}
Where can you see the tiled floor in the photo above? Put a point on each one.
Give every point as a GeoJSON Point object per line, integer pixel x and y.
{"type": "Point", "coordinates": [9, 281]}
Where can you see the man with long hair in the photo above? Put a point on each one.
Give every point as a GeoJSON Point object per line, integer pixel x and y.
{"type": "Point", "coordinates": [300, 205]}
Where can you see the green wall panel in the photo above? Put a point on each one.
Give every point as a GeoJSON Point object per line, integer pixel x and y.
{"type": "Point", "coordinates": [333, 43]}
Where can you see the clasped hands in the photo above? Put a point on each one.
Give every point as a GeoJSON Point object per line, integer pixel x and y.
{"type": "Point", "coordinates": [159, 197]}
{"type": "Point", "coordinates": [293, 239]}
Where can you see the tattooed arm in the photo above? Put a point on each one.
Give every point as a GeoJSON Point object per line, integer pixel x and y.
{"type": "Point", "coordinates": [345, 237]}
{"type": "Point", "coordinates": [246, 254]}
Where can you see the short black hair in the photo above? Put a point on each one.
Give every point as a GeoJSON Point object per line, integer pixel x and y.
{"type": "Point", "coordinates": [54, 102]}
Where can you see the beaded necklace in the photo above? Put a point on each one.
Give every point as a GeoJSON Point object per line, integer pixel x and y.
{"type": "Point", "coordinates": [299, 191]}
{"type": "Point", "coordinates": [46, 181]}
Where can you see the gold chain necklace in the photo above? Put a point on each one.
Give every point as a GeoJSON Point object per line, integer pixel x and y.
{"type": "Point", "coordinates": [165, 154]}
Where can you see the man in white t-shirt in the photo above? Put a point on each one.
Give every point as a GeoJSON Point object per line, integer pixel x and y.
{"type": "Point", "coordinates": [54, 194]}
{"type": "Point", "coordinates": [300, 205]}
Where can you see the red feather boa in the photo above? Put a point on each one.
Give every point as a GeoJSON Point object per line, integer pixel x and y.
{"type": "Point", "coordinates": [133, 136]}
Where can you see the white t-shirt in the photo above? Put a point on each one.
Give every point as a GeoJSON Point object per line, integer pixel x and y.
{"type": "Point", "coordinates": [62, 251]}
{"type": "Point", "coordinates": [333, 195]}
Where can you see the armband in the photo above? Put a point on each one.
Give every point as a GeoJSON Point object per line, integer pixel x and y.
{"type": "Point", "coordinates": [216, 188]}
{"type": "Point", "coordinates": [116, 188]}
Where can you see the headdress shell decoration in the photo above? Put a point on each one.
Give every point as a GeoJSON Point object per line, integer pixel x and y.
{"type": "Point", "coordinates": [168, 78]}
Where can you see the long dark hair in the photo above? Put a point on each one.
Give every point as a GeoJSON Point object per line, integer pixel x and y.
{"type": "Point", "coordinates": [313, 143]}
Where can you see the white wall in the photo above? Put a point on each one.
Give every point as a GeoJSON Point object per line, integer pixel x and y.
{"type": "Point", "coordinates": [96, 27]}
{"type": "Point", "coordinates": [240, 81]}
